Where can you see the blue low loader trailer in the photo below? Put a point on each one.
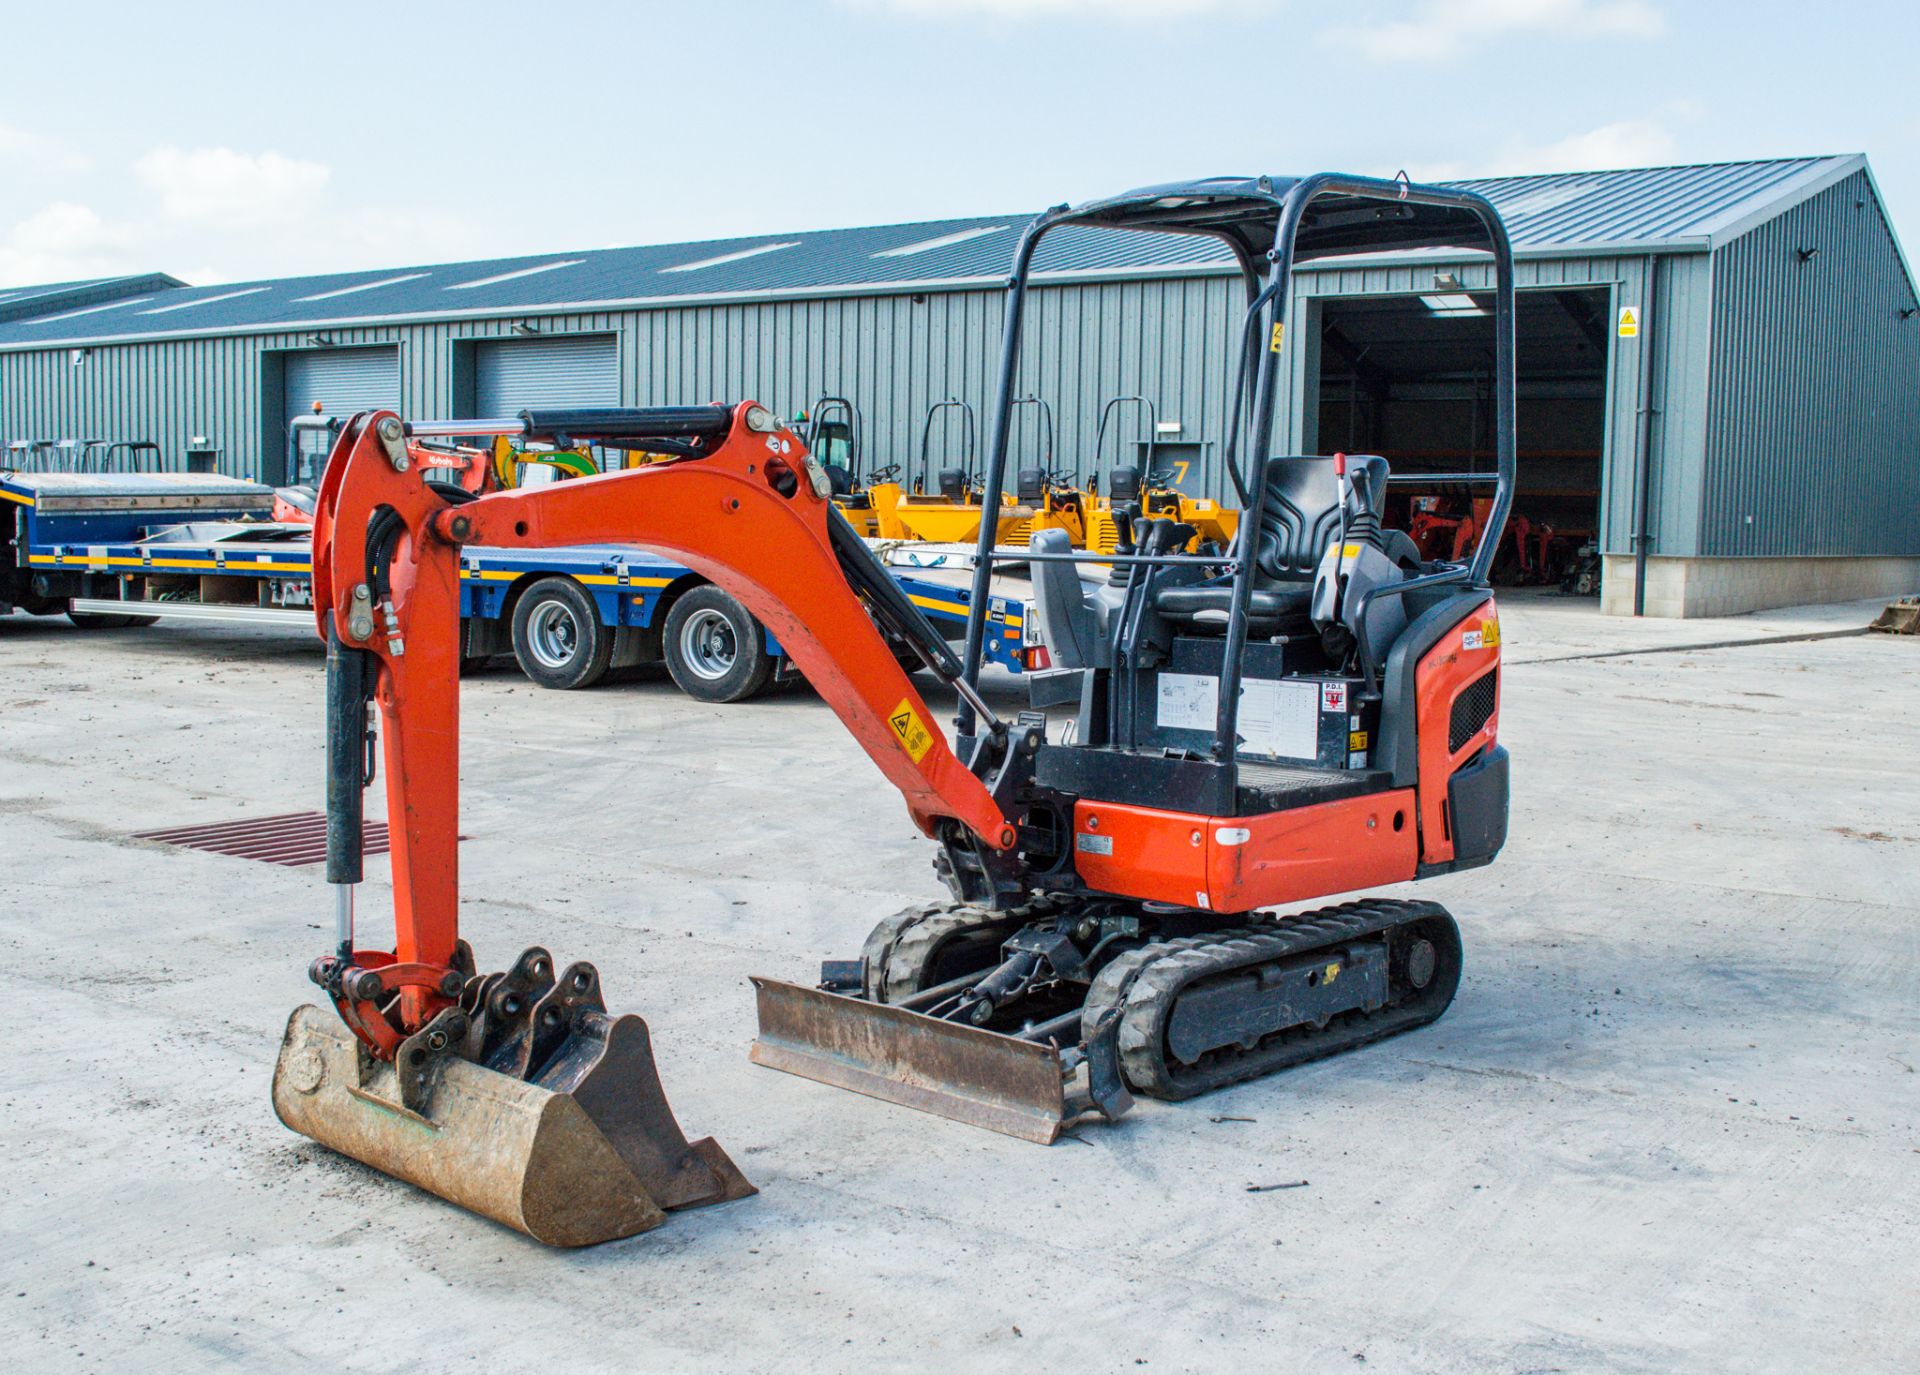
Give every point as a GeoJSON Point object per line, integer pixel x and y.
{"type": "Point", "coordinates": [111, 550]}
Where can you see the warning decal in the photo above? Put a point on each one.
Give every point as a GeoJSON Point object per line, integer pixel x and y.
{"type": "Point", "coordinates": [1490, 634]}
{"type": "Point", "coordinates": [1629, 322]}
{"type": "Point", "coordinates": [1279, 337]}
{"type": "Point", "coordinates": [913, 733]}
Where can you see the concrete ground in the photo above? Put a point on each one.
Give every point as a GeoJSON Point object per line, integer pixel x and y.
{"type": "Point", "coordinates": [1672, 1122]}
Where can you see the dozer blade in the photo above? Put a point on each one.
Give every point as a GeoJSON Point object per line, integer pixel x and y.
{"type": "Point", "coordinates": [983, 1078]}
{"type": "Point", "coordinates": [586, 1151]}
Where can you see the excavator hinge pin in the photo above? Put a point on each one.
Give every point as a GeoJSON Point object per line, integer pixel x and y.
{"type": "Point", "coordinates": [393, 438]}
{"type": "Point", "coordinates": [360, 617]}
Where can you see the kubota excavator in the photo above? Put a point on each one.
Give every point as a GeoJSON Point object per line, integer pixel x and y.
{"type": "Point", "coordinates": [1313, 711]}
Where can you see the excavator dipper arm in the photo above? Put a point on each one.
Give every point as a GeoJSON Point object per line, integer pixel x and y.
{"type": "Point", "coordinates": [751, 511]}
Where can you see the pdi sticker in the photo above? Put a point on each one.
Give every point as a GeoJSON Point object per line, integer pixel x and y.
{"type": "Point", "coordinates": [1333, 696]}
{"type": "Point", "coordinates": [1471, 640]}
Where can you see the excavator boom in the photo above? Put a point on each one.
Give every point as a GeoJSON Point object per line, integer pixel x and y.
{"type": "Point", "coordinates": [542, 1110]}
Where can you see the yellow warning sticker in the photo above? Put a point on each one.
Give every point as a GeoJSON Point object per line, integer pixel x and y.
{"type": "Point", "coordinates": [913, 733]}
{"type": "Point", "coordinates": [1279, 337]}
{"type": "Point", "coordinates": [1332, 972]}
{"type": "Point", "coordinates": [1490, 634]}
{"type": "Point", "coordinates": [1356, 740]}
{"type": "Point", "coordinates": [1629, 322]}
{"type": "Point", "coordinates": [1349, 551]}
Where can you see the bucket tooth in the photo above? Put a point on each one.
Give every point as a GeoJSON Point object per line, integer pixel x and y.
{"type": "Point", "coordinates": [590, 1155]}
{"type": "Point", "coordinates": [979, 1077]}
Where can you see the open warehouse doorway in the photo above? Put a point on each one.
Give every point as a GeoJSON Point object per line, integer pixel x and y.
{"type": "Point", "coordinates": [1411, 378]}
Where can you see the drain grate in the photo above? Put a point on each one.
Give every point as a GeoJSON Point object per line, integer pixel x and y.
{"type": "Point", "coordinates": [294, 839]}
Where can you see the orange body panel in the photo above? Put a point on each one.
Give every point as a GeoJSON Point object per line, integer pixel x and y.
{"type": "Point", "coordinates": [1236, 864]}
{"type": "Point", "coordinates": [1446, 670]}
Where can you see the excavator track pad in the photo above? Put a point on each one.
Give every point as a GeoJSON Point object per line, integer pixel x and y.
{"type": "Point", "coordinates": [526, 1103]}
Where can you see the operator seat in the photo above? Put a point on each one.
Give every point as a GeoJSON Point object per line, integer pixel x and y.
{"type": "Point", "coordinates": [1073, 617]}
{"type": "Point", "coordinates": [1300, 501]}
{"type": "Point", "coordinates": [838, 479]}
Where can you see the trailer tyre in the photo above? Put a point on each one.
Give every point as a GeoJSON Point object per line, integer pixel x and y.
{"type": "Point", "coordinates": [95, 620]}
{"type": "Point", "coordinates": [715, 649]}
{"type": "Point", "coordinates": [557, 635]}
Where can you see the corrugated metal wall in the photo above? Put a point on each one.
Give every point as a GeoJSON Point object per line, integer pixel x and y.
{"type": "Point", "coordinates": [894, 355]}
{"type": "Point", "coordinates": [1812, 441]}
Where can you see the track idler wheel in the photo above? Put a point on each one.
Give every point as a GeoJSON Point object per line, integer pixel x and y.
{"type": "Point", "coordinates": [527, 1103]}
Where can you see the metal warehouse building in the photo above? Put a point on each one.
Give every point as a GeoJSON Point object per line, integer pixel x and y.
{"type": "Point", "coordinates": [1719, 365]}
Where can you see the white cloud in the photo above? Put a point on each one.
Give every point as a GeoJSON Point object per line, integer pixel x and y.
{"type": "Point", "coordinates": [219, 187]}
{"type": "Point", "coordinates": [1648, 142]}
{"type": "Point", "coordinates": [1048, 9]}
{"type": "Point", "coordinates": [1439, 29]}
{"type": "Point", "coordinates": [64, 242]}
{"type": "Point", "coordinates": [19, 148]}
{"type": "Point", "coordinates": [1628, 143]}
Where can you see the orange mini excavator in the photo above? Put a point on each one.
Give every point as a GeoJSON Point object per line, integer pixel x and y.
{"type": "Point", "coordinates": [1310, 712]}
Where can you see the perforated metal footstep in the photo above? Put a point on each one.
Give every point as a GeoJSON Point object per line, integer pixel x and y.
{"type": "Point", "coordinates": [294, 839]}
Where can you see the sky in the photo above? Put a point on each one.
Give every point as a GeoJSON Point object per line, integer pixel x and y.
{"type": "Point", "coordinates": [222, 142]}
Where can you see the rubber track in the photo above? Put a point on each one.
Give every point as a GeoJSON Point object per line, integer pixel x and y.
{"type": "Point", "coordinates": [901, 948]}
{"type": "Point", "coordinates": [1145, 983]}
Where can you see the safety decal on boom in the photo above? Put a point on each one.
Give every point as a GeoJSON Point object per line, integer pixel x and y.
{"type": "Point", "coordinates": [913, 733]}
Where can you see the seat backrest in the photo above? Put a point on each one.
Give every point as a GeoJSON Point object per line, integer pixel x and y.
{"type": "Point", "coordinates": [1030, 485]}
{"type": "Point", "coordinates": [953, 484]}
{"type": "Point", "coordinates": [838, 478]}
{"type": "Point", "coordinates": [1300, 502]}
{"type": "Point", "coordinates": [1123, 484]}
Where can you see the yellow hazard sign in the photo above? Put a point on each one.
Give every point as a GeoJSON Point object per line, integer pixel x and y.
{"type": "Point", "coordinates": [913, 733]}
{"type": "Point", "coordinates": [1629, 322]}
{"type": "Point", "coordinates": [1279, 337]}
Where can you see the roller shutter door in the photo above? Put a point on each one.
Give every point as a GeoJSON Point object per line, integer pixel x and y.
{"type": "Point", "coordinates": [342, 381]}
{"type": "Point", "coordinates": [512, 375]}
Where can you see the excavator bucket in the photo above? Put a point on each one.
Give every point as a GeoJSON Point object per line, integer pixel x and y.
{"type": "Point", "coordinates": [568, 1138]}
{"type": "Point", "coordinates": [983, 1078]}
{"type": "Point", "coordinates": [1900, 618]}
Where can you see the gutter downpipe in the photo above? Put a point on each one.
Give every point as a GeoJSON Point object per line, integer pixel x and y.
{"type": "Point", "coordinates": [1643, 440]}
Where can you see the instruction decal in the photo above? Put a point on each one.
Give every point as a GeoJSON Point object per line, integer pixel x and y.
{"type": "Point", "coordinates": [1629, 322]}
{"type": "Point", "coordinates": [912, 731]}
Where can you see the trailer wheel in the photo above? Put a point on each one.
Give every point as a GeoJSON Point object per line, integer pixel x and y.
{"type": "Point", "coordinates": [95, 620]}
{"type": "Point", "coordinates": [557, 635]}
{"type": "Point", "coordinates": [714, 648]}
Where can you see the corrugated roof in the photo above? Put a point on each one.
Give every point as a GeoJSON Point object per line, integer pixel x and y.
{"type": "Point", "coordinates": [1669, 208]}
{"type": "Point", "coordinates": [23, 302]}
{"type": "Point", "coordinates": [1655, 206]}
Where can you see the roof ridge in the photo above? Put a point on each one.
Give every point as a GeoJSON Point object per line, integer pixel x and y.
{"type": "Point", "coordinates": [1656, 167]}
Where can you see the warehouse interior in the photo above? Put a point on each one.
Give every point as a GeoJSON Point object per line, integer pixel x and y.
{"type": "Point", "coordinates": [1411, 377]}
